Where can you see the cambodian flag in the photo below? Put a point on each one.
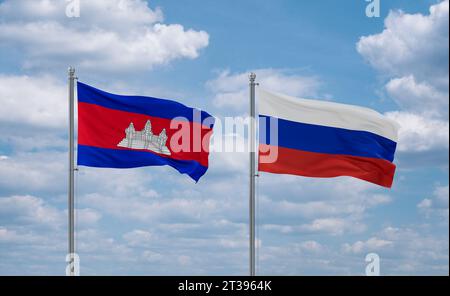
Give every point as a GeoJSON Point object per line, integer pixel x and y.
{"type": "Point", "coordinates": [325, 139]}
{"type": "Point", "coordinates": [116, 131]}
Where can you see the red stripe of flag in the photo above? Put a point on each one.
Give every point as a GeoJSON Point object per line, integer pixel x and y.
{"type": "Point", "coordinates": [311, 164]}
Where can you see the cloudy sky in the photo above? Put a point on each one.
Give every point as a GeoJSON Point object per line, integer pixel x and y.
{"type": "Point", "coordinates": [153, 221]}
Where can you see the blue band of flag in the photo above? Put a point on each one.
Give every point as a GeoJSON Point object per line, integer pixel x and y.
{"type": "Point", "coordinates": [112, 158]}
{"type": "Point", "coordinates": [136, 104]}
{"type": "Point", "coordinates": [330, 140]}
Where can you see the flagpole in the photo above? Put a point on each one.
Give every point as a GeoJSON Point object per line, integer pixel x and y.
{"type": "Point", "coordinates": [252, 136]}
{"type": "Point", "coordinates": [71, 199]}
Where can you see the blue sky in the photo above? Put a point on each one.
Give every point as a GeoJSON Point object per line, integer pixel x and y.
{"type": "Point", "coordinates": [154, 221]}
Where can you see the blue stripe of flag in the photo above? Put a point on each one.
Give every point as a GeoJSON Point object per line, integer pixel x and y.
{"type": "Point", "coordinates": [330, 140]}
{"type": "Point", "coordinates": [112, 158]}
{"type": "Point", "coordinates": [136, 104]}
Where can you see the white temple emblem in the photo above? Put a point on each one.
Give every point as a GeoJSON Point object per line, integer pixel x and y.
{"type": "Point", "coordinates": [145, 139]}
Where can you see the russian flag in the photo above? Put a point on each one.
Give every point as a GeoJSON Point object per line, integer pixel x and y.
{"type": "Point", "coordinates": [325, 139]}
{"type": "Point", "coordinates": [116, 131]}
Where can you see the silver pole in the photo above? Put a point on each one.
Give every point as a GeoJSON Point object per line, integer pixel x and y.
{"type": "Point", "coordinates": [252, 137]}
{"type": "Point", "coordinates": [71, 170]}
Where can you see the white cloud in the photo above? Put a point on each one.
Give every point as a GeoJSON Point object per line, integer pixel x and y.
{"type": "Point", "coordinates": [442, 196]}
{"type": "Point", "coordinates": [33, 101]}
{"type": "Point", "coordinates": [333, 226]}
{"type": "Point", "coordinates": [404, 250]}
{"type": "Point", "coordinates": [374, 200]}
{"type": "Point", "coordinates": [419, 251]}
{"type": "Point", "coordinates": [30, 210]}
{"type": "Point", "coordinates": [371, 245]}
{"type": "Point", "coordinates": [285, 229]}
{"type": "Point", "coordinates": [87, 216]}
{"type": "Point", "coordinates": [138, 237]}
{"type": "Point", "coordinates": [413, 53]}
{"type": "Point", "coordinates": [410, 43]}
{"type": "Point", "coordinates": [114, 35]}
{"type": "Point", "coordinates": [127, 12]}
{"type": "Point", "coordinates": [317, 198]}
{"type": "Point", "coordinates": [92, 242]}
{"type": "Point", "coordinates": [12, 236]}
{"type": "Point", "coordinates": [425, 204]}
{"type": "Point", "coordinates": [34, 172]}
{"type": "Point", "coordinates": [419, 97]}
{"type": "Point", "coordinates": [419, 133]}
{"type": "Point", "coordinates": [33, 118]}
{"type": "Point", "coordinates": [233, 243]}
{"type": "Point", "coordinates": [312, 246]}
{"type": "Point", "coordinates": [151, 256]}
{"type": "Point", "coordinates": [437, 205]}
{"type": "Point", "coordinates": [35, 212]}
{"type": "Point", "coordinates": [146, 210]}
{"type": "Point", "coordinates": [231, 89]}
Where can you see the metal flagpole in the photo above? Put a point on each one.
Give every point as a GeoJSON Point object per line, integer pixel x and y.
{"type": "Point", "coordinates": [71, 171]}
{"type": "Point", "coordinates": [252, 136]}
